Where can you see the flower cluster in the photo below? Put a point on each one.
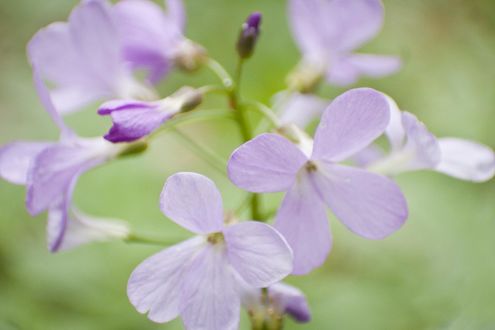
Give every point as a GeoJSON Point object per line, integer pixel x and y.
{"type": "Point", "coordinates": [92, 60]}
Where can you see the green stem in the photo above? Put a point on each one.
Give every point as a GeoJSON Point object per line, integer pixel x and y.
{"type": "Point", "coordinates": [246, 130]}
{"type": "Point", "coordinates": [238, 76]}
{"type": "Point", "coordinates": [265, 111]}
{"type": "Point", "coordinates": [140, 239]}
{"type": "Point", "coordinates": [220, 72]}
{"type": "Point", "coordinates": [209, 156]}
{"type": "Point", "coordinates": [192, 117]}
{"type": "Point", "coordinates": [233, 88]}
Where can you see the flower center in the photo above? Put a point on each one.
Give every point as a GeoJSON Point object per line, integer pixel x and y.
{"type": "Point", "coordinates": [311, 166]}
{"type": "Point", "coordinates": [216, 238]}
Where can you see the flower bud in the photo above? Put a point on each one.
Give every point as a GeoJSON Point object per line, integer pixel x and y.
{"type": "Point", "coordinates": [249, 35]}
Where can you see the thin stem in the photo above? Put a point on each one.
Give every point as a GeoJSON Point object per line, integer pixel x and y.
{"type": "Point", "coordinates": [141, 239]}
{"type": "Point", "coordinates": [211, 89]}
{"type": "Point", "coordinates": [192, 117]}
{"type": "Point", "coordinates": [265, 111]}
{"type": "Point", "coordinates": [238, 76]}
{"type": "Point", "coordinates": [245, 128]}
{"type": "Point", "coordinates": [220, 72]}
{"type": "Point", "coordinates": [233, 88]}
{"type": "Point", "coordinates": [281, 101]}
{"type": "Point", "coordinates": [210, 157]}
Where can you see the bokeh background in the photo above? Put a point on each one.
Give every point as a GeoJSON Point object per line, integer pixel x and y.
{"type": "Point", "coordinates": [438, 272]}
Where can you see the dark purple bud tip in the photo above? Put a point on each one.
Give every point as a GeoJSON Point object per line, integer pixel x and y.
{"type": "Point", "coordinates": [254, 21]}
{"type": "Point", "coordinates": [249, 35]}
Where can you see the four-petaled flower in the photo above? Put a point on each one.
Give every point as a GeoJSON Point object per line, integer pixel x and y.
{"type": "Point", "coordinates": [328, 31]}
{"type": "Point", "coordinates": [84, 58]}
{"type": "Point", "coordinates": [50, 171]}
{"type": "Point", "coordinates": [201, 279]}
{"type": "Point", "coordinates": [369, 204]}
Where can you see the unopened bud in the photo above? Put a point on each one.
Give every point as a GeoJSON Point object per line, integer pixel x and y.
{"type": "Point", "coordinates": [249, 35]}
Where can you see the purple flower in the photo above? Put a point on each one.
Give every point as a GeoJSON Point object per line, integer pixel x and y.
{"type": "Point", "coordinates": [83, 58]}
{"type": "Point", "coordinates": [282, 299]}
{"type": "Point", "coordinates": [150, 35]}
{"type": "Point", "coordinates": [200, 279]}
{"type": "Point", "coordinates": [50, 171]}
{"type": "Point", "coordinates": [413, 147]}
{"type": "Point", "coordinates": [370, 205]}
{"type": "Point", "coordinates": [328, 31]}
{"type": "Point", "coordinates": [154, 39]}
{"type": "Point", "coordinates": [134, 119]}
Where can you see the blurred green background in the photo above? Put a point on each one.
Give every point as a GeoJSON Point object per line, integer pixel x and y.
{"type": "Point", "coordinates": [438, 272]}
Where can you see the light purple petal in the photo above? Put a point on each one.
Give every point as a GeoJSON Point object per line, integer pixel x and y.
{"type": "Point", "coordinates": [69, 99]}
{"type": "Point", "coordinates": [346, 69]}
{"type": "Point", "coordinates": [58, 217]}
{"type": "Point", "coordinates": [258, 253]}
{"type": "Point", "coordinates": [466, 160]}
{"type": "Point", "coordinates": [81, 58]}
{"type": "Point", "coordinates": [351, 122]}
{"type": "Point", "coordinates": [53, 53]}
{"type": "Point", "coordinates": [94, 31]}
{"type": "Point", "coordinates": [369, 204]}
{"type": "Point", "coordinates": [420, 142]}
{"type": "Point", "coordinates": [149, 34]}
{"type": "Point", "coordinates": [302, 220]}
{"type": "Point", "coordinates": [47, 103]}
{"type": "Point", "coordinates": [290, 300]}
{"type": "Point", "coordinates": [133, 120]}
{"type": "Point", "coordinates": [155, 285]}
{"type": "Point", "coordinates": [375, 66]}
{"type": "Point", "coordinates": [420, 150]}
{"type": "Point", "coordinates": [83, 229]}
{"type": "Point", "coordinates": [210, 299]}
{"type": "Point", "coordinates": [300, 109]}
{"type": "Point", "coordinates": [341, 72]}
{"type": "Point", "coordinates": [336, 25]}
{"type": "Point", "coordinates": [193, 201]}
{"type": "Point", "coordinates": [367, 156]}
{"type": "Point", "coordinates": [176, 12]}
{"type": "Point", "coordinates": [305, 24]}
{"type": "Point", "coordinates": [267, 163]}
{"type": "Point", "coordinates": [56, 167]}
{"type": "Point", "coordinates": [16, 158]}
{"type": "Point", "coordinates": [45, 51]}
{"type": "Point", "coordinates": [395, 129]}
{"type": "Point", "coordinates": [57, 225]}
